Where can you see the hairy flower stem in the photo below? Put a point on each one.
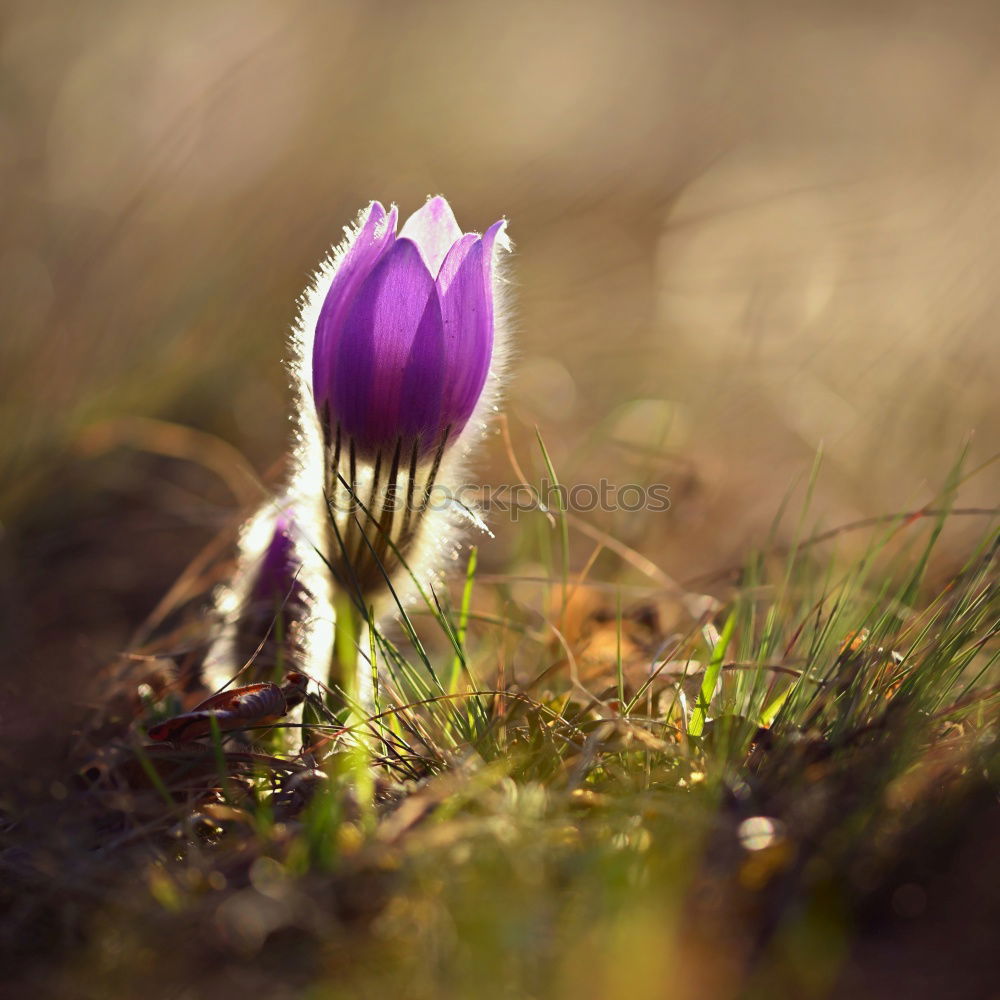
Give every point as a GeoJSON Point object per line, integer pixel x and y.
{"type": "Point", "coordinates": [344, 702]}
{"type": "Point", "coordinates": [343, 680]}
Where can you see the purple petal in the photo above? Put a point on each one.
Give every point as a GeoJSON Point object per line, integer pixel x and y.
{"type": "Point", "coordinates": [372, 241]}
{"type": "Point", "coordinates": [467, 310]}
{"type": "Point", "coordinates": [453, 261]}
{"type": "Point", "coordinates": [420, 414]}
{"type": "Point", "coordinates": [375, 346]}
{"type": "Point", "coordinates": [276, 601]}
{"type": "Point", "coordinates": [496, 232]}
{"type": "Point", "coordinates": [276, 575]}
{"type": "Point", "coordinates": [434, 230]}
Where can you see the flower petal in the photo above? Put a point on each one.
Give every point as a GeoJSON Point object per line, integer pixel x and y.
{"type": "Point", "coordinates": [434, 230]}
{"type": "Point", "coordinates": [495, 236]}
{"type": "Point", "coordinates": [467, 311]}
{"type": "Point", "coordinates": [375, 236]}
{"type": "Point", "coordinates": [420, 414]}
{"type": "Point", "coordinates": [375, 346]}
{"type": "Point", "coordinates": [279, 564]}
{"type": "Point", "coordinates": [453, 261]}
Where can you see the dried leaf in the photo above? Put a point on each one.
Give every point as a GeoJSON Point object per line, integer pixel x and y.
{"type": "Point", "coordinates": [238, 708]}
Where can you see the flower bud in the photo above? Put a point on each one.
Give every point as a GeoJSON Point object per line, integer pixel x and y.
{"type": "Point", "coordinates": [398, 360]}
{"type": "Point", "coordinates": [265, 614]}
{"type": "Point", "coordinates": [404, 339]}
{"type": "Point", "coordinates": [274, 605]}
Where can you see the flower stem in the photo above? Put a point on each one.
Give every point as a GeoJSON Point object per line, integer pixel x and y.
{"type": "Point", "coordinates": [343, 680]}
{"type": "Point", "coordinates": [344, 702]}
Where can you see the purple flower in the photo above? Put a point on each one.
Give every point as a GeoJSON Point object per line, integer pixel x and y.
{"type": "Point", "coordinates": [274, 606]}
{"type": "Point", "coordinates": [277, 574]}
{"type": "Point", "coordinates": [404, 340]}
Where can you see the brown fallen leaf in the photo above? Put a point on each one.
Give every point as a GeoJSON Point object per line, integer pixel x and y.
{"type": "Point", "coordinates": [238, 708]}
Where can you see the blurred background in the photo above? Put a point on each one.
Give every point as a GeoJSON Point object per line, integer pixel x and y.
{"type": "Point", "coordinates": [744, 232]}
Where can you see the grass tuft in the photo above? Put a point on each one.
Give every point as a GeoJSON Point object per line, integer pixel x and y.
{"type": "Point", "coordinates": [726, 807]}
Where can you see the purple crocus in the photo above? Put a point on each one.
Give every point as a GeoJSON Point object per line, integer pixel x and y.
{"type": "Point", "coordinates": [404, 338]}
{"type": "Point", "coordinates": [274, 605]}
{"type": "Point", "coordinates": [278, 571]}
